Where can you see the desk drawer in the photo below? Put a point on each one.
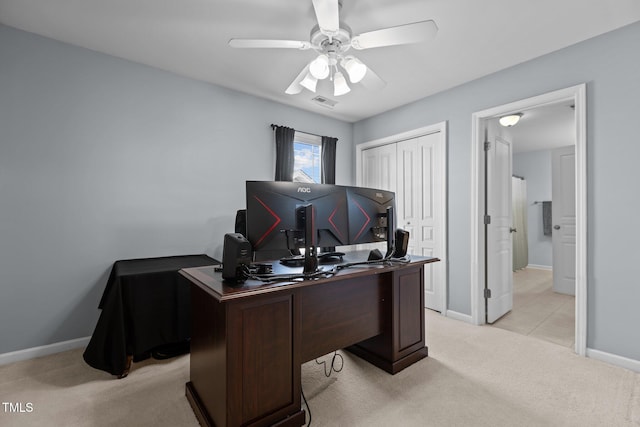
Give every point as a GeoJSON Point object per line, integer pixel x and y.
{"type": "Point", "coordinates": [339, 314]}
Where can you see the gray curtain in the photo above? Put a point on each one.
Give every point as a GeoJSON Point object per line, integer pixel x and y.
{"type": "Point", "coordinates": [284, 152]}
{"type": "Point", "coordinates": [546, 218]}
{"type": "Point", "coordinates": [520, 235]}
{"type": "Point", "coordinates": [328, 168]}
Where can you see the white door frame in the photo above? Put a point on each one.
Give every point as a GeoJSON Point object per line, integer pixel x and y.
{"type": "Point", "coordinates": [438, 127]}
{"type": "Point", "coordinates": [577, 94]}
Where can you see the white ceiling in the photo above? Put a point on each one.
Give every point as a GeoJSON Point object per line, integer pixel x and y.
{"type": "Point", "coordinates": [189, 37]}
{"type": "Point", "coordinates": [544, 128]}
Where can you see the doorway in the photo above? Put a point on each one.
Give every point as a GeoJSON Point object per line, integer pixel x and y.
{"type": "Point", "coordinates": [543, 144]}
{"type": "Point", "coordinates": [577, 96]}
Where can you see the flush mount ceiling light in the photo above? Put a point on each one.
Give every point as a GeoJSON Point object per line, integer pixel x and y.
{"type": "Point", "coordinates": [510, 120]}
{"type": "Point", "coordinates": [331, 39]}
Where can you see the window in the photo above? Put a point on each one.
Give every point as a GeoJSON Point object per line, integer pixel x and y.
{"type": "Point", "coordinates": [307, 151]}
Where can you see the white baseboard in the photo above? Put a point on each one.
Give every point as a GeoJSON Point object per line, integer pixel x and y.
{"type": "Point", "coordinates": [44, 350]}
{"type": "Point", "coordinates": [614, 359]}
{"type": "Point", "coordinates": [459, 316]}
{"type": "Point", "coordinates": [540, 267]}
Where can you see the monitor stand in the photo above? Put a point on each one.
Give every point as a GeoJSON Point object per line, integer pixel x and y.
{"type": "Point", "coordinates": [329, 257]}
{"type": "Point", "coordinates": [323, 258]}
{"type": "Point", "coordinates": [306, 223]}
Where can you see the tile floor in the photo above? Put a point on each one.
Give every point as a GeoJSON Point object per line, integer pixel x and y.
{"type": "Point", "coordinates": [538, 311]}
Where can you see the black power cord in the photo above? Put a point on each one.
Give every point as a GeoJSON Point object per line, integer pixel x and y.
{"type": "Point", "coordinates": [332, 366]}
{"type": "Point", "coordinates": [388, 260]}
{"type": "Point", "coordinates": [307, 405]}
{"type": "Point", "coordinates": [320, 274]}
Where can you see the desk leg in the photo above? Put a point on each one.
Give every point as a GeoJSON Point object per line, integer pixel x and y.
{"type": "Point", "coordinates": [127, 367]}
{"type": "Point", "coordinates": [403, 341]}
{"type": "Point", "coordinates": [245, 364]}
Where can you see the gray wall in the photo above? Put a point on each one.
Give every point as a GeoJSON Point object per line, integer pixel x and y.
{"type": "Point", "coordinates": [103, 159]}
{"type": "Point", "coordinates": [610, 65]}
{"type": "Point", "coordinates": [535, 167]}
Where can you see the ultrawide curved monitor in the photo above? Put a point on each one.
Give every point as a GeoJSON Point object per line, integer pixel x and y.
{"type": "Point", "coordinates": [271, 214]}
{"type": "Point", "coordinates": [342, 215]}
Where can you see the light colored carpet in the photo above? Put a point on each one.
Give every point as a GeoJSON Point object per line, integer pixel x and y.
{"type": "Point", "coordinates": [474, 376]}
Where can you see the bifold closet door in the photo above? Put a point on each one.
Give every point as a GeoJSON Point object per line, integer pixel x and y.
{"type": "Point", "coordinates": [413, 169]}
{"type": "Point", "coordinates": [419, 191]}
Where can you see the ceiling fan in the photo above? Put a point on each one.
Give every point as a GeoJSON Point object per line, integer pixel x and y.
{"type": "Point", "coordinates": [332, 40]}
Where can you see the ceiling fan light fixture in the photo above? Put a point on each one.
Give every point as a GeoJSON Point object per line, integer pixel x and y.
{"type": "Point", "coordinates": [510, 120]}
{"type": "Point", "coordinates": [319, 67]}
{"type": "Point", "coordinates": [340, 86]}
{"type": "Point", "coordinates": [309, 82]}
{"type": "Point", "coordinates": [355, 69]}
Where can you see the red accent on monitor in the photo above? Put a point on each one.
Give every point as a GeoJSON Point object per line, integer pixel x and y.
{"type": "Point", "coordinates": [365, 224]}
{"type": "Point", "coordinates": [333, 214]}
{"type": "Point", "coordinates": [274, 225]}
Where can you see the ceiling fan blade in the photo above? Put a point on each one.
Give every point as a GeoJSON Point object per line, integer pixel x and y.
{"type": "Point", "coordinates": [402, 34]}
{"type": "Point", "coordinates": [372, 81]}
{"type": "Point", "coordinates": [259, 43]}
{"type": "Point", "coordinates": [295, 87]}
{"type": "Point", "coordinates": [327, 13]}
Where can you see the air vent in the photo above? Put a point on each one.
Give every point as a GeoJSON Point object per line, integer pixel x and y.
{"type": "Point", "coordinates": [325, 102]}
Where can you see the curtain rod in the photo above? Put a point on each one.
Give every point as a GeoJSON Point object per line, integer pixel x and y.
{"type": "Point", "coordinates": [537, 201]}
{"type": "Point", "coordinates": [308, 133]}
{"type": "Point", "coordinates": [519, 177]}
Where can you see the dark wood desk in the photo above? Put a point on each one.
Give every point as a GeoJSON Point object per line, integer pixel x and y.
{"type": "Point", "coordinates": [145, 305]}
{"type": "Point", "coordinates": [248, 343]}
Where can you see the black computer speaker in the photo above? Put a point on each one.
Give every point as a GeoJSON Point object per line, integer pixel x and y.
{"type": "Point", "coordinates": [401, 243]}
{"type": "Point", "coordinates": [241, 222]}
{"type": "Point", "coordinates": [236, 256]}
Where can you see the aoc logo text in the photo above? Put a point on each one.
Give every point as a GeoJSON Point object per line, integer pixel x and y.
{"type": "Point", "coordinates": [304, 189]}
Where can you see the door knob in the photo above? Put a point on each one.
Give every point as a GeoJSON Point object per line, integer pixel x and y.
{"type": "Point", "coordinates": [556, 227]}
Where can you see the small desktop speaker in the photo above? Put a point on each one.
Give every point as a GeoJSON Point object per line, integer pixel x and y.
{"type": "Point", "coordinates": [401, 243]}
{"type": "Point", "coordinates": [241, 222]}
{"type": "Point", "coordinates": [236, 255]}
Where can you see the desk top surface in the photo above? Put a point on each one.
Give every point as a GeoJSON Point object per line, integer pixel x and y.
{"type": "Point", "coordinates": [211, 281]}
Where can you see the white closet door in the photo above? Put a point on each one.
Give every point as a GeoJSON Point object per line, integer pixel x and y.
{"type": "Point", "coordinates": [379, 167]}
{"type": "Point", "coordinates": [415, 170]}
{"type": "Point", "coordinates": [379, 170]}
{"type": "Point", "coordinates": [420, 190]}
{"type": "Point", "coordinates": [408, 193]}
{"type": "Point", "coordinates": [430, 235]}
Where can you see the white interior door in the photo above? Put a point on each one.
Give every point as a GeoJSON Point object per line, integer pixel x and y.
{"type": "Point", "coordinates": [563, 213]}
{"type": "Point", "coordinates": [419, 191]}
{"type": "Point", "coordinates": [498, 223]}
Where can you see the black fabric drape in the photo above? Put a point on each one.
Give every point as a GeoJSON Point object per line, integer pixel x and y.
{"type": "Point", "coordinates": [328, 161]}
{"type": "Point", "coordinates": [284, 153]}
{"type": "Point", "coordinates": [145, 305]}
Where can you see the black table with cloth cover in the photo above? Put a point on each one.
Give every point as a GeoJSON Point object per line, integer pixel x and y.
{"type": "Point", "coordinates": [144, 306]}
